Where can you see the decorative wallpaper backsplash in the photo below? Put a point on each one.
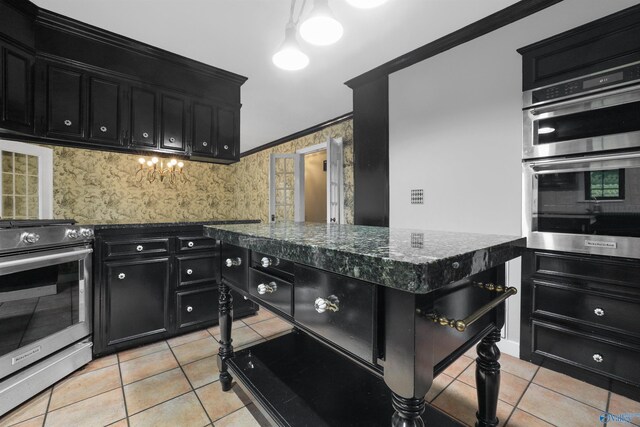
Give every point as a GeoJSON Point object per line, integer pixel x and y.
{"type": "Point", "coordinates": [101, 187]}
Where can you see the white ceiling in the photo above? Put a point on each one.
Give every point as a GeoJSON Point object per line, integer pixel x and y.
{"type": "Point", "coordinates": [241, 35]}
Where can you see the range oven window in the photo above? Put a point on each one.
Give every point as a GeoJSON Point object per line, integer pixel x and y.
{"type": "Point", "coordinates": [592, 202]}
{"type": "Point", "coordinates": [37, 303]}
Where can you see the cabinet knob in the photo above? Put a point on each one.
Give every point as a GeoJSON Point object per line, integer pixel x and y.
{"type": "Point", "coordinates": [103, 129]}
{"type": "Point", "coordinates": [189, 272]}
{"type": "Point", "coordinates": [189, 309]}
{"type": "Point", "coordinates": [145, 135]}
{"type": "Point", "coordinates": [599, 311]}
{"type": "Point", "coordinates": [330, 303]}
{"type": "Point", "coordinates": [67, 123]}
{"type": "Point", "coordinates": [265, 262]}
{"type": "Point", "coordinates": [172, 139]}
{"type": "Point", "coordinates": [268, 288]}
{"type": "Point", "coordinates": [30, 237]}
{"type": "Point", "coordinates": [139, 248]}
{"type": "Point", "coordinates": [598, 358]}
{"type": "Point", "coordinates": [226, 147]}
{"type": "Point", "coordinates": [205, 143]}
{"type": "Point", "coordinates": [121, 276]}
{"type": "Point", "coordinates": [233, 262]}
{"type": "Point", "coordinates": [190, 244]}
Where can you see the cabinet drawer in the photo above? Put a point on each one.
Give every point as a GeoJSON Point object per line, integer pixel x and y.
{"type": "Point", "coordinates": [235, 265]}
{"type": "Point", "coordinates": [196, 307]}
{"type": "Point", "coordinates": [137, 247]}
{"type": "Point", "coordinates": [589, 352]}
{"type": "Point", "coordinates": [194, 243]}
{"type": "Point", "coordinates": [270, 289]}
{"type": "Point", "coordinates": [273, 265]}
{"type": "Point", "coordinates": [587, 306]}
{"type": "Point", "coordinates": [198, 269]}
{"type": "Point", "coordinates": [338, 308]}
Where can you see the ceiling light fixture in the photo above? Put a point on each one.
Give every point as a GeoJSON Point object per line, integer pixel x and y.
{"type": "Point", "coordinates": [289, 56]}
{"type": "Point", "coordinates": [321, 28]}
{"type": "Point", "coordinates": [366, 4]}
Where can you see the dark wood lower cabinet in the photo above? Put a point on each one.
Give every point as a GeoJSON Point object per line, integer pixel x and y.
{"type": "Point", "coordinates": [154, 283]}
{"type": "Point", "coordinates": [580, 316]}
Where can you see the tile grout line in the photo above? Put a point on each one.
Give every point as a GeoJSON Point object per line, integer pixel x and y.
{"type": "Point", "coordinates": [506, 423]}
{"type": "Point", "coordinates": [124, 397]}
{"type": "Point", "coordinates": [606, 421]}
{"type": "Point", "coordinates": [46, 412]}
{"type": "Point", "coordinates": [569, 397]}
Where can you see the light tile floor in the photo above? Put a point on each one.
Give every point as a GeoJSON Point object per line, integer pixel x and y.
{"type": "Point", "coordinates": [175, 383]}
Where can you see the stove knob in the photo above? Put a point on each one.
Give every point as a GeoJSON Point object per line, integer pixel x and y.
{"type": "Point", "coordinates": [30, 238]}
{"type": "Point", "coordinates": [72, 234]}
{"type": "Point", "coordinates": [86, 233]}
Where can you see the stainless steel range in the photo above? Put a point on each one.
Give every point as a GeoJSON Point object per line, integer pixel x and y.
{"type": "Point", "coordinates": [45, 305]}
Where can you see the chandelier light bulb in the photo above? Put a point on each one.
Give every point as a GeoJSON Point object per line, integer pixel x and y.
{"type": "Point", "coordinates": [180, 165]}
{"type": "Point", "coordinates": [149, 163]}
{"type": "Point", "coordinates": [142, 161]}
{"type": "Point", "coordinates": [321, 28]}
{"type": "Point", "coordinates": [366, 4]}
{"type": "Point", "coordinates": [154, 160]}
{"type": "Point", "coordinates": [289, 56]}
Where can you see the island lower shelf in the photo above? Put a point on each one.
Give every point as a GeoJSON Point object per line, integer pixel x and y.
{"type": "Point", "coordinates": [298, 381]}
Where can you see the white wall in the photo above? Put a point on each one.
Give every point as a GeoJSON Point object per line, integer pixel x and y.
{"type": "Point", "coordinates": [456, 132]}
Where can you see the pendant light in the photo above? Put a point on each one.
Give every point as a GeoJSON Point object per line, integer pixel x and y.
{"type": "Point", "coordinates": [289, 56]}
{"type": "Point", "coordinates": [366, 4]}
{"type": "Point", "coordinates": [321, 28]}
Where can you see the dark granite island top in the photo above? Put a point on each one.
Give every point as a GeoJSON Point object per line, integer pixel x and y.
{"type": "Point", "coordinates": [418, 261]}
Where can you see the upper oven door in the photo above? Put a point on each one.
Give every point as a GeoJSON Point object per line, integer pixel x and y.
{"type": "Point", "coordinates": [600, 122]}
{"type": "Point", "coordinates": [45, 304]}
{"type": "Point", "coordinates": [589, 205]}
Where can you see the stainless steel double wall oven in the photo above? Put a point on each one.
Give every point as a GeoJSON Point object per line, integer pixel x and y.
{"type": "Point", "coordinates": [581, 164]}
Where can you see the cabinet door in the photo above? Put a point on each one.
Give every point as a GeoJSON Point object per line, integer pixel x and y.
{"type": "Point", "coordinates": [203, 129]}
{"type": "Point", "coordinates": [64, 103]}
{"type": "Point", "coordinates": [143, 118]}
{"type": "Point", "coordinates": [173, 123]}
{"type": "Point", "coordinates": [137, 299]}
{"type": "Point", "coordinates": [16, 93]}
{"type": "Point", "coordinates": [228, 141]}
{"type": "Point", "coordinates": [104, 112]}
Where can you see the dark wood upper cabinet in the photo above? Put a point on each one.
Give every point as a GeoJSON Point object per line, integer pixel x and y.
{"type": "Point", "coordinates": [105, 99]}
{"type": "Point", "coordinates": [173, 123]}
{"type": "Point", "coordinates": [228, 141]}
{"type": "Point", "coordinates": [203, 140]}
{"type": "Point", "coordinates": [143, 118]}
{"type": "Point", "coordinates": [16, 93]}
{"type": "Point", "coordinates": [64, 100]}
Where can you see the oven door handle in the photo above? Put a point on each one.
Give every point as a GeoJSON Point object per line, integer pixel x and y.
{"type": "Point", "coordinates": [620, 96]}
{"type": "Point", "coordinates": [557, 166]}
{"type": "Point", "coordinates": [23, 262]}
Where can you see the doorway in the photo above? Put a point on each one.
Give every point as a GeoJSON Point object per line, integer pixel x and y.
{"type": "Point", "coordinates": [308, 185]}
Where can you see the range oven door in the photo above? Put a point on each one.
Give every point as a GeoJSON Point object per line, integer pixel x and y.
{"type": "Point", "coordinates": [588, 205]}
{"type": "Point", "coordinates": [588, 125]}
{"type": "Point", "coordinates": [45, 304]}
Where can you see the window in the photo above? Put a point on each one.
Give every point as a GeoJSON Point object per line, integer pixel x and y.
{"type": "Point", "coordinates": [26, 187]}
{"type": "Point", "coordinates": [605, 185]}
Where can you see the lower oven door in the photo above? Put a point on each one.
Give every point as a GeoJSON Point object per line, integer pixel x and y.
{"type": "Point", "coordinates": [588, 205]}
{"type": "Point", "coordinates": [45, 304]}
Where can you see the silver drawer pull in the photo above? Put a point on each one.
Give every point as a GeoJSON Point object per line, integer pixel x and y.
{"type": "Point", "coordinates": [103, 129]}
{"type": "Point", "coordinates": [172, 139]}
{"type": "Point", "coordinates": [205, 143]}
{"type": "Point", "coordinates": [145, 135]}
{"type": "Point", "coordinates": [67, 123]}
{"type": "Point", "coordinates": [598, 312]}
{"type": "Point", "coordinates": [265, 262]}
{"type": "Point", "coordinates": [330, 303]}
{"type": "Point", "coordinates": [189, 272]}
{"type": "Point", "coordinates": [121, 276]}
{"type": "Point", "coordinates": [598, 358]}
{"type": "Point", "coordinates": [233, 262]}
{"type": "Point", "coordinates": [139, 248]}
{"type": "Point", "coordinates": [269, 288]}
{"type": "Point", "coordinates": [189, 309]}
{"type": "Point", "coordinates": [190, 244]}
{"type": "Point", "coordinates": [226, 147]}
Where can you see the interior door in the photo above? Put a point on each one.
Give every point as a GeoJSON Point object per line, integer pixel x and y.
{"type": "Point", "coordinates": [286, 188]}
{"type": "Point", "coordinates": [335, 210]}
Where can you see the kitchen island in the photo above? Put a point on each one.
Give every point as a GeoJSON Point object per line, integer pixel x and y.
{"type": "Point", "coordinates": [399, 305]}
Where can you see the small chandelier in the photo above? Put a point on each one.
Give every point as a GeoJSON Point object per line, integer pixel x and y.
{"type": "Point", "coordinates": [155, 169]}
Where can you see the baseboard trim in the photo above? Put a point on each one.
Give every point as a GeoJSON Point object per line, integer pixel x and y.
{"type": "Point", "coordinates": [512, 348]}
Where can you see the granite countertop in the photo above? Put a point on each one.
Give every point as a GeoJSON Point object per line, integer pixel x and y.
{"type": "Point", "coordinates": [417, 261]}
{"type": "Point", "coordinates": [113, 226]}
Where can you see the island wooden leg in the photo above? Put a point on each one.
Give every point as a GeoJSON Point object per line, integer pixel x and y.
{"type": "Point", "coordinates": [488, 380]}
{"type": "Point", "coordinates": [225, 316]}
{"type": "Point", "coordinates": [407, 412]}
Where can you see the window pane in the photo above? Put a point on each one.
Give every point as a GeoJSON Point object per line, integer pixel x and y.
{"type": "Point", "coordinates": [7, 162]}
{"type": "Point", "coordinates": [32, 165]}
{"type": "Point", "coordinates": [20, 163]}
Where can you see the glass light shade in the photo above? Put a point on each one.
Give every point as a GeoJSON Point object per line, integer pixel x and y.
{"type": "Point", "coordinates": [154, 160]}
{"type": "Point", "coordinates": [289, 56]}
{"type": "Point", "coordinates": [321, 28]}
{"type": "Point", "coordinates": [180, 164]}
{"type": "Point", "coordinates": [142, 161]}
{"type": "Point", "coordinates": [149, 163]}
{"type": "Point", "coordinates": [366, 4]}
